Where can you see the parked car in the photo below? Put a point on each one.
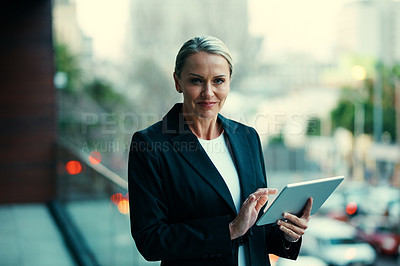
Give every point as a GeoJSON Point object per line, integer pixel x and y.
{"type": "Point", "coordinates": [334, 207]}
{"type": "Point", "coordinates": [336, 243]}
{"type": "Point", "coordinates": [360, 194]}
{"type": "Point", "coordinates": [385, 199]}
{"type": "Point", "coordinates": [393, 208]}
{"type": "Point", "coordinates": [382, 232]}
{"type": "Point", "coordinates": [301, 261]}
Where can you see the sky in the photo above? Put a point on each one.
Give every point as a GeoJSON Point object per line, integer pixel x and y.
{"type": "Point", "coordinates": [306, 26]}
{"type": "Point", "coordinates": [105, 21]}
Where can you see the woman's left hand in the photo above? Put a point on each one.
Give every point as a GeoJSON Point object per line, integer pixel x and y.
{"type": "Point", "coordinates": [294, 227]}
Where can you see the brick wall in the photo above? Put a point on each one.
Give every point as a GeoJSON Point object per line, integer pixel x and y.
{"type": "Point", "coordinates": [27, 102]}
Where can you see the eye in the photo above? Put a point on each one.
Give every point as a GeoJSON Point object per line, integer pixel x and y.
{"type": "Point", "coordinates": [195, 81]}
{"type": "Point", "coordinates": [219, 81]}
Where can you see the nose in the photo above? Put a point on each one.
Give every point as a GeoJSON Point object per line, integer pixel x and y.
{"type": "Point", "coordinates": [207, 90]}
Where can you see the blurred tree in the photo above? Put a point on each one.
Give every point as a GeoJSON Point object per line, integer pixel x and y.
{"type": "Point", "coordinates": [92, 113]}
{"type": "Point", "coordinates": [68, 63]}
{"type": "Point", "coordinates": [105, 95]}
{"type": "Point", "coordinates": [343, 114]}
{"type": "Point", "coordinates": [99, 90]}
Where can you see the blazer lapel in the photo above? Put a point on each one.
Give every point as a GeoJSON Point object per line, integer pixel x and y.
{"type": "Point", "coordinates": [186, 144]}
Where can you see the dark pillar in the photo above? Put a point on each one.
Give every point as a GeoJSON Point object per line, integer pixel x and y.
{"type": "Point", "coordinates": [27, 102]}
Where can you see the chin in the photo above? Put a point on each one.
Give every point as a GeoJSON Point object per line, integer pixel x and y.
{"type": "Point", "coordinates": [209, 114]}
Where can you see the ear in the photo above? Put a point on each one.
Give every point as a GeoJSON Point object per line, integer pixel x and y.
{"type": "Point", "coordinates": [177, 83]}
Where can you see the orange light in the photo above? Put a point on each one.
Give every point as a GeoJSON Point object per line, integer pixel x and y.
{"type": "Point", "coordinates": [116, 198]}
{"type": "Point", "coordinates": [273, 258]}
{"type": "Point", "coordinates": [122, 202]}
{"type": "Point", "coordinates": [95, 157]}
{"type": "Point", "coordinates": [351, 208]}
{"type": "Point", "coordinates": [123, 206]}
{"type": "Point", "coordinates": [73, 167]}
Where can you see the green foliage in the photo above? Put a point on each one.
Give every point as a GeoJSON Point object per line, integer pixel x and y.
{"type": "Point", "coordinates": [343, 114]}
{"type": "Point", "coordinates": [104, 94]}
{"type": "Point", "coordinates": [67, 62]}
{"type": "Point", "coordinates": [98, 89]}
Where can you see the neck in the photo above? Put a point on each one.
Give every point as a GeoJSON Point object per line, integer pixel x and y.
{"type": "Point", "coordinates": [204, 128]}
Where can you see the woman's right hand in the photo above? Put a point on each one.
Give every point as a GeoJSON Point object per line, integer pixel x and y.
{"type": "Point", "coordinates": [248, 213]}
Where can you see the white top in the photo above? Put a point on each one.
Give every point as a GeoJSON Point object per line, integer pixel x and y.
{"type": "Point", "coordinates": [219, 154]}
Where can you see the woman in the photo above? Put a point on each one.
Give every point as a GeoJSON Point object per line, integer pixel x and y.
{"type": "Point", "coordinates": [197, 180]}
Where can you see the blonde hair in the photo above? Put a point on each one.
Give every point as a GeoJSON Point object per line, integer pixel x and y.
{"type": "Point", "coordinates": [208, 44]}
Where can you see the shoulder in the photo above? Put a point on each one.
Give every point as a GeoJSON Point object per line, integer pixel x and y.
{"type": "Point", "coordinates": [152, 133]}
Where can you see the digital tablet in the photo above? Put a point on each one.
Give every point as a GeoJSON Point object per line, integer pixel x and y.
{"type": "Point", "coordinates": [293, 198]}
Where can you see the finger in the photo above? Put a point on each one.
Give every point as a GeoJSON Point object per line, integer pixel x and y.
{"type": "Point", "coordinates": [264, 191]}
{"type": "Point", "coordinates": [251, 198]}
{"type": "Point", "coordinates": [289, 232]}
{"type": "Point", "coordinates": [261, 202]}
{"type": "Point", "coordinates": [272, 191]}
{"type": "Point", "coordinates": [252, 201]}
{"type": "Point", "coordinates": [302, 223]}
{"type": "Point", "coordinates": [247, 205]}
{"type": "Point", "coordinates": [307, 209]}
{"type": "Point", "coordinates": [296, 229]}
{"type": "Point", "coordinates": [260, 197]}
{"type": "Point", "coordinates": [249, 208]}
{"type": "Point", "coordinates": [267, 191]}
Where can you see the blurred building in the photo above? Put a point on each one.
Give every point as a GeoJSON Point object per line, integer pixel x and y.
{"type": "Point", "coordinates": [67, 31]}
{"type": "Point", "coordinates": [368, 32]}
{"type": "Point", "coordinates": [159, 28]}
{"type": "Point", "coordinates": [370, 28]}
{"type": "Point", "coordinates": [289, 73]}
{"type": "Point", "coordinates": [157, 22]}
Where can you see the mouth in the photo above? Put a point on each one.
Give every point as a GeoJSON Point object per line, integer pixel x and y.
{"type": "Point", "coordinates": [206, 104]}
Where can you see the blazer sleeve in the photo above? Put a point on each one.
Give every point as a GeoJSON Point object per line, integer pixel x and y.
{"type": "Point", "coordinates": [276, 242]}
{"type": "Point", "coordinates": [155, 237]}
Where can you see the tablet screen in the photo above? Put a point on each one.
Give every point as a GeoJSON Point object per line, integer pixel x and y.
{"type": "Point", "coordinates": [294, 197]}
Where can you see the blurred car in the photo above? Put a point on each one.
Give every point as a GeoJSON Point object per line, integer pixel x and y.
{"type": "Point", "coordinates": [336, 243]}
{"type": "Point", "coordinates": [334, 207]}
{"type": "Point", "coordinates": [301, 261]}
{"type": "Point", "coordinates": [385, 199]}
{"type": "Point", "coordinates": [360, 194]}
{"type": "Point", "coordinates": [393, 209]}
{"type": "Point", "coordinates": [382, 232]}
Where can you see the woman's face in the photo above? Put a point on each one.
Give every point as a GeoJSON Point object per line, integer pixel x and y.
{"type": "Point", "coordinates": [205, 84]}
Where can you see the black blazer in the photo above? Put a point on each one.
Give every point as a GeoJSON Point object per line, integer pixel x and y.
{"type": "Point", "coordinates": [180, 207]}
